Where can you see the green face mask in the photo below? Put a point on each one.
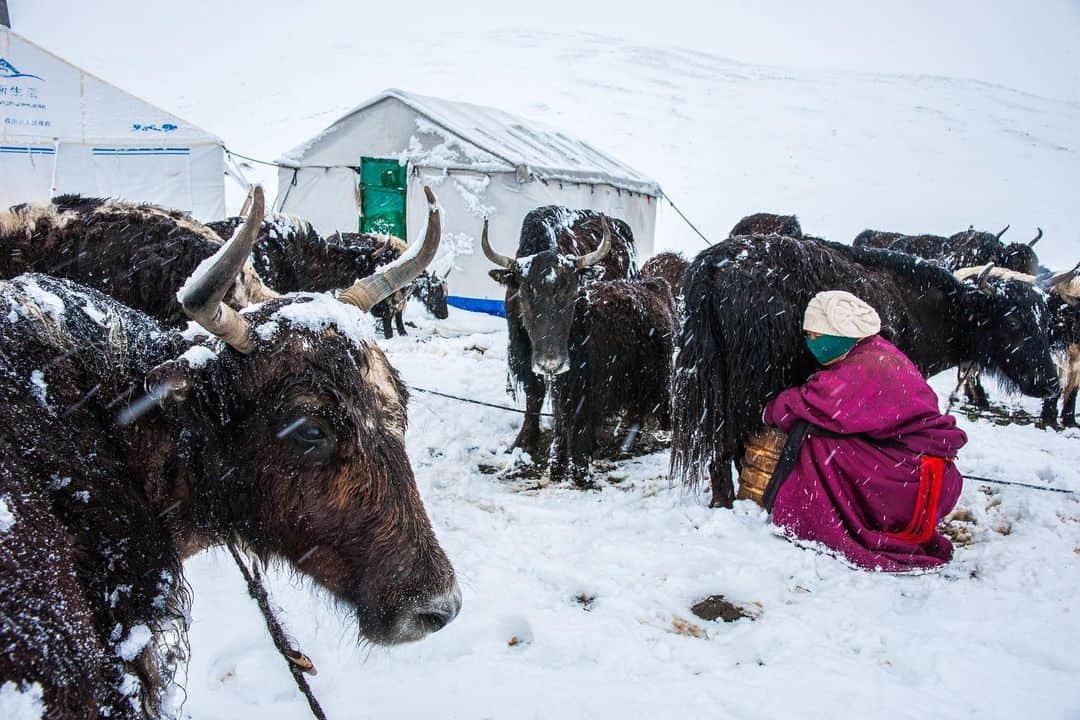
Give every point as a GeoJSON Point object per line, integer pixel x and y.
{"type": "Point", "coordinates": [827, 348]}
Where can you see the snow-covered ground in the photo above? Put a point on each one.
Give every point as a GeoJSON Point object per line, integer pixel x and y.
{"type": "Point", "coordinates": [920, 120]}
{"type": "Point", "coordinates": [596, 587]}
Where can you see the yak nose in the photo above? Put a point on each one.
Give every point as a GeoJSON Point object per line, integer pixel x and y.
{"type": "Point", "coordinates": [550, 366]}
{"type": "Point", "coordinates": [438, 612]}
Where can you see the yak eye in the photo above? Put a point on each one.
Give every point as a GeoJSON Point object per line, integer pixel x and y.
{"type": "Point", "coordinates": [312, 433]}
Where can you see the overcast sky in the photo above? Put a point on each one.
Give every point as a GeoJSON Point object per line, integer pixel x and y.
{"type": "Point", "coordinates": [1032, 46]}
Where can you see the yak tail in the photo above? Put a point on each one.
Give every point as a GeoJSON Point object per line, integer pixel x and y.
{"type": "Point", "coordinates": [699, 393]}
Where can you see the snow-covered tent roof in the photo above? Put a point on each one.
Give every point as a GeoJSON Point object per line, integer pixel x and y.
{"type": "Point", "coordinates": [487, 139]}
{"type": "Point", "coordinates": [63, 129]}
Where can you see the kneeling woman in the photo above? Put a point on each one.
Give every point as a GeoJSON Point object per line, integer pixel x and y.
{"type": "Point", "coordinates": [875, 471]}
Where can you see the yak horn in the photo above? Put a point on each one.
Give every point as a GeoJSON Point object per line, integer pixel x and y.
{"type": "Point", "coordinates": [998, 236]}
{"type": "Point", "coordinates": [1031, 243]}
{"type": "Point", "coordinates": [369, 291]}
{"type": "Point", "coordinates": [599, 253]}
{"type": "Point", "coordinates": [1063, 278]}
{"type": "Point", "coordinates": [201, 296]}
{"type": "Point", "coordinates": [981, 280]}
{"type": "Point", "coordinates": [500, 260]}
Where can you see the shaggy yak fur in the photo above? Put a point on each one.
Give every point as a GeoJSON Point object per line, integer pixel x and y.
{"type": "Point", "coordinates": [742, 340]}
{"type": "Point", "coordinates": [1064, 305]}
{"type": "Point", "coordinates": [964, 249]}
{"type": "Point", "coordinates": [545, 296]}
{"type": "Point", "coordinates": [767, 224]}
{"type": "Point", "coordinates": [296, 450]}
{"type": "Point", "coordinates": [138, 254]}
{"type": "Point", "coordinates": [290, 256]}
{"type": "Point", "coordinates": [667, 265]}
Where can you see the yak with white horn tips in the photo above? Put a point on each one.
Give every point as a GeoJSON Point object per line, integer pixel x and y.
{"type": "Point", "coordinates": [284, 430]}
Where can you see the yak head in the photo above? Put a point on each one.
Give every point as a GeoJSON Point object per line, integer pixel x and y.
{"type": "Point", "coordinates": [1021, 257]}
{"type": "Point", "coordinates": [546, 286]}
{"type": "Point", "coordinates": [432, 291]}
{"type": "Point", "coordinates": [294, 423]}
{"type": "Point", "coordinates": [1013, 337]}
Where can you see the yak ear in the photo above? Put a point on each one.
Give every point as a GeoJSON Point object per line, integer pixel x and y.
{"type": "Point", "coordinates": [173, 380]}
{"type": "Point", "coordinates": [503, 277]}
{"type": "Point", "coordinates": [592, 273]}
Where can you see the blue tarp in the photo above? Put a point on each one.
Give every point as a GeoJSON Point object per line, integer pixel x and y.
{"type": "Point", "coordinates": [491, 307]}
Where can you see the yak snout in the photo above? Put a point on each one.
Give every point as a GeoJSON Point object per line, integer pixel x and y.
{"type": "Point", "coordinates": [550, 365]}
{"type": "Point", "coordinates": [429, 615]}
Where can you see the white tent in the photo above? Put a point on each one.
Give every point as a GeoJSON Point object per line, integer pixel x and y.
{"type": "Point", "coordinates": [63, 130]}
{"type": "Point", "coordinates": [368, 169]}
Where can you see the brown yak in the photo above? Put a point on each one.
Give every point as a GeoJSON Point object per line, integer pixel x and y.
{"type": "Point", "coordinates": [282, 430]}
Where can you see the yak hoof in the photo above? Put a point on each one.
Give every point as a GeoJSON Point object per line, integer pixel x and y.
{"type": "Point", "coordinates": [721, 502]}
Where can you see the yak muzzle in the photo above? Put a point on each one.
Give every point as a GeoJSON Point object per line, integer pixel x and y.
{"type": "Point", "coordinates": [427, 616]}
{"type": "Point", "coordinates": [550, 366]}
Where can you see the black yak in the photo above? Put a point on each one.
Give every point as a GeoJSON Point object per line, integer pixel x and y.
{"type": "Point", "coordinates": [963, 249]}
{"type": "Point", "coordinates": [555, 243]}
{"type": "Point", "coordinates": [767, 224]}
{"type": "Point", "coordinates": [290, 256]}
{"type": "Point", "coordinates": [284, 432]}
{"type": "Point", "coordinates": [667, 265]}
{"type": "Point", "coordinates": [1063, 291]}
{"type": "Point", "coordinates": [742, 340]}
{"type": "Point", "coordinates": [605, 346]}
{"type": "Point", "coordinates": [138, 254]}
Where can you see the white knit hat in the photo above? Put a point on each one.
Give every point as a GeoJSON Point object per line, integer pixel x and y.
{"type": "Point", "coordinates": [836, 312]}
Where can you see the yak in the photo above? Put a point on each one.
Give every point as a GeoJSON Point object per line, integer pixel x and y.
{"type": "Point", "coordinates": [1063, 291]}
{"type": "Point", "coordinates": [138, 254]}
{"type": "Point", "coordinates": [742, 341]}
{"type": "Point", "coordinates": [963, 249]}
{"type": "Point", "coordinates": [560, 244]}
{"type": "Point", "coordinates": [281, 430]}
{"type": "Point", "coordinates": [605, 346]}
{"type": "Point", "coordinates": [767, 224]}
{"type": "Point", "coordinates": [667, 265]}
{"type": "Point", "coordinates": [290, 256]}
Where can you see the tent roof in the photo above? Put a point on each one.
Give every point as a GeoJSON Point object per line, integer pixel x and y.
{"type": "Point", "coordinates": [61, 101]}
{"type": "Point", "coordinates": [513, 143]}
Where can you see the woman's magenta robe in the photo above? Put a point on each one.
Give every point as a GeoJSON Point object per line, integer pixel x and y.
{"type": "Point", "coordinates": [857, 495]}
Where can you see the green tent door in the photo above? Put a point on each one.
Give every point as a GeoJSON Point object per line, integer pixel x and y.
{"type": "Point", "coordinates": [382, 197]}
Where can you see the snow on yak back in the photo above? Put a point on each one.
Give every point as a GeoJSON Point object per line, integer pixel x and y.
{"type": "Point", "coordinates": [284, 430]}
{"type": "Point", "coordinates": [742, 339]}
{"type": "Point", "coordinates": [667, 265]}
{"type": "Point", "coordinates": [964, 249]}
{"type": "Point", "coordinates": [558, 253]}
{"type": "Point", "coordinates": [767, 224]}
{"type": "Point", "coordinates": [606, 345]}
{"type": "Point", "coordinates": [138, 254]}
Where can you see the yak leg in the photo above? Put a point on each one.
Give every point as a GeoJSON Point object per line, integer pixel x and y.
{"type": "Point", "coordinates": [723, 488]}
{"type": "Point", "coordinates": [528, 437]}
{"type": "Point", "coordinates": [1049, 410]}
{"type": "Point", "coordinates": [581, 437]}
{"type": "Point", "coordinates": [387, 329]}
{"type": "Point", "coordinates": [400, 323]}
{"type": "Point", "coordinates": [1068, 409]}
{"type": "Point", "coordinates": [973, 388]}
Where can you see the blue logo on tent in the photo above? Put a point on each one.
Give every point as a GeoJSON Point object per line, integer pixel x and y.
{"type": "Point", "coordinates": [7, 70]}
{"type": "Point", "coordinates": [164, 127]}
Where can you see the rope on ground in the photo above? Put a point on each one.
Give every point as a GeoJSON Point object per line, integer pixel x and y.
{"type": "Point", "coordinates": [477, 402]}
{"type": "Point", "coordinates": [1030, 486]}
{"type": "Point", "coordinates": [296, 660]}
{"type": "Point", "coordinates": [685, 219]}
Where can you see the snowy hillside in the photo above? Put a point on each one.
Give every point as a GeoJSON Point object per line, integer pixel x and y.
{"type": "Point", "coordinates": [844, 149]}
{"type": "Point", "coordinates": [597, 589]}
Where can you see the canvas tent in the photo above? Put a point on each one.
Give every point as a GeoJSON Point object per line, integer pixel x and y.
{"type": "Point", "coordinates": [366, 172]}
{"type": "Point", "coordinates": [63, 130]}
